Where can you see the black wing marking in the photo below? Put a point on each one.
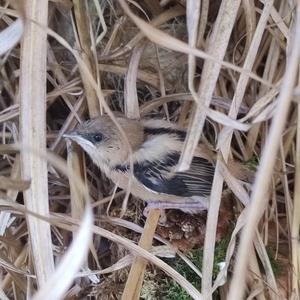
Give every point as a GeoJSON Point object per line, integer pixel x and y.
{"type": "Point", "coordinates": [158, 176]}
{"type": "Point", "coordinates": [180, 134]}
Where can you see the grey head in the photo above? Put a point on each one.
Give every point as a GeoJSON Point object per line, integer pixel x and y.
{"type": "Point", "coordinates": [103, 141]}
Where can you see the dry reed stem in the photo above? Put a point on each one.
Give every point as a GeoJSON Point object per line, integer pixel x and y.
{"type": "Point", "coordinates": [11, 35]}
{"type": "Point", "coordinates": [279, 22]}
{"type": "Point", "coordinates": [131, 103]}
{"type": "Point", "coordinates": [264, 259]}
{"type": "Point", "coordinates": [262, 180]}
{"type": "Point", "coordinates": [147, 77]}
{"type": "Point", "coordinates": [81, 15]}
{"type": "Point", "coordinates": [136, 275]}
{"type": "Point", "coordinates": [269, 73]}
{"type": "Point", "coordinates": [212, 218]}
{"type": "Point", "coordinates": [76, 164]}
{"type": "Point", "coordinates": [102, 21]}
{"type": "Point", "coordinates": [254, 276]}
{"type": "Point", "coordinates": [75, 155]}
{"type": "Point", "coordinates": [217, 48]}
{"type": "Point", "coordinates": [33, 132]}
{"type": "Point", "coordinates": [296, 216]}
{"type": "Point", "coordinates": [250, 19]}
{"type": "Point", "coordinates": [202, 22]}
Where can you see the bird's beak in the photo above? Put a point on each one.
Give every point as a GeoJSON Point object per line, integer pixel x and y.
{"type": "Point", "coordinates": [75, 137]}
{"type": "Point", "coordinates": [70, 135]}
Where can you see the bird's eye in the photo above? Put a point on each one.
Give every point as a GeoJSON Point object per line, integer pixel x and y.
{"type": "Point", "coordinates": [97, 138]}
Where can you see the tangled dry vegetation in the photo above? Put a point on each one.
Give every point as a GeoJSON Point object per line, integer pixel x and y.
{"type": "Point", "coordinates": [225, 69]}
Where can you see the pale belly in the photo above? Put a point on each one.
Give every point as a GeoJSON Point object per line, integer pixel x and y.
{"type": "Point", "coordinates": [140, 191]}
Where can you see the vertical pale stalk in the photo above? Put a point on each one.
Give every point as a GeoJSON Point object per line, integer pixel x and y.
{"type": "Point", "coordinates": [202, 22]}
{"type": "Point", "coordinates": [217, 48]}
{"type": "Point", "coordinates": [131, 102]}
{"type": "Point", "coordinates": [75, 154]}
{"type": "Point", "coordinates": [213, 212]}
{"type": "Point", "coordinates": [136, 274]}
{"type": "Point", "coordinates": [76, 165]}
{"type": "Point", "coordinates": [296, 216]}
{"type": "Point", "coordinates": [33, 133]}
{"type": "Point", "coordinates": [263, 177]}
{"type": "Point", "coordinates": [270, 70]}
{"type": "Point", "coordinates": [84, 33]}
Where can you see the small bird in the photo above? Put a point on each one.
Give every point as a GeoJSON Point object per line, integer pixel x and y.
{"type": "Point", "coordinates": [156, 146]}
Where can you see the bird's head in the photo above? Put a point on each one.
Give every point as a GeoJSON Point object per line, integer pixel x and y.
{"type": "Point", "coordinates": [103, 141]}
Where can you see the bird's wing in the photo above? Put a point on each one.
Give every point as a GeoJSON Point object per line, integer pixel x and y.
{"type": "Point", "coordinates": [155, 162]}
{"type": "Point", "coordinates": [160, 177]}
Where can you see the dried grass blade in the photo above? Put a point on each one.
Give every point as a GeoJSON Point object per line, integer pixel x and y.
{"type": "Point", "coordinates": [202, 22]}
{"type": "Point", "coordinates": [226, 136]}
{"type": "Point", "coordinates": [76, 165]}
{"type": "Point", "coordinates": [130, 90]}
{"type": "Point", "coordinates": [2, 295]}
{"type": "Point", "coordinates": [296, 216]}
{"type": "Point", "coordinates": [68, 267]}
{"type": "Point", "coordinates": [145, 76]}
{"type": "Point", "coordinates": [218, 44]}
{"type": "Point", "coordinates": [267, 164]}
{"type": "Point", "coordinates": [11, 35]}
{"type": "Point", "coordinates": [250, 19]}
{"type": "Point", "coordinates": [33, 133]}
{"type": "Point", "coordinates": [264, 258]}
{"type": "Point", "coordinates": [13, 184]}
{"type": "Point", "coordinates": [280, 23]}
{"type": "Point", "coordinates": [136, 274]}
{"type": "Point", "coordinates": [81, 15]}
